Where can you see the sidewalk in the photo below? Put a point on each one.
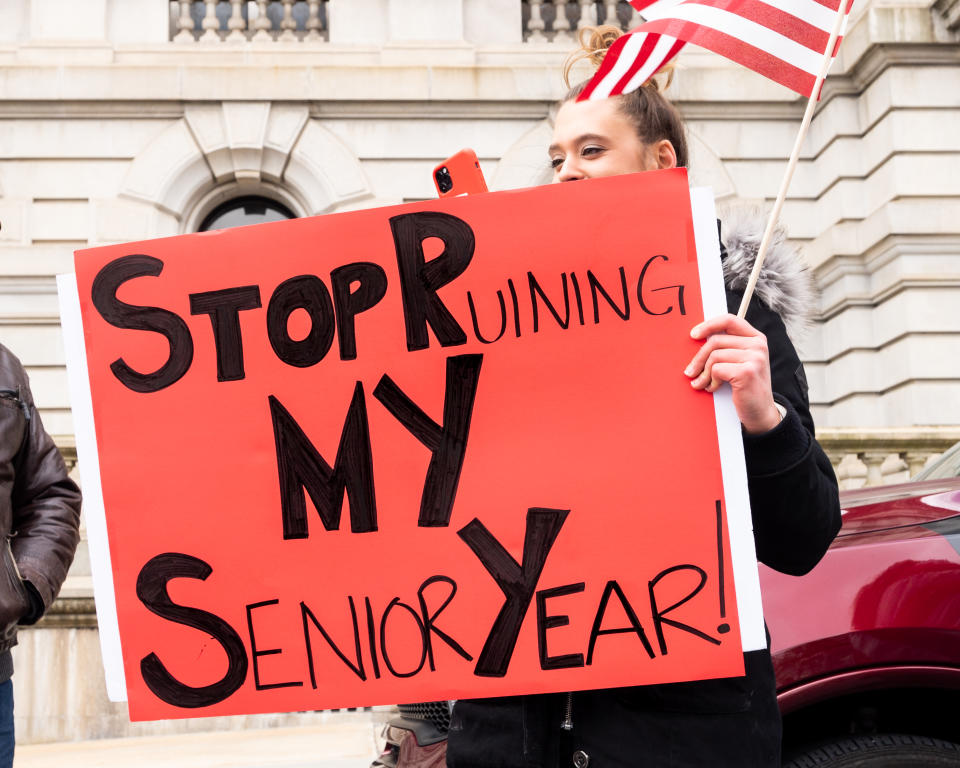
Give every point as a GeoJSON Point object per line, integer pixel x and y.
{"type": "Point", "coordinates": [334, 745]}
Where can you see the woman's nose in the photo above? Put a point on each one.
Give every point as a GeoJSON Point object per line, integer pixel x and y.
{"type": "Point", "coordinates": [569, 171]}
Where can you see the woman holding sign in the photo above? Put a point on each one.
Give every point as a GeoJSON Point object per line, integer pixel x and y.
{"type": "Point", "coordinates": [793, 491]}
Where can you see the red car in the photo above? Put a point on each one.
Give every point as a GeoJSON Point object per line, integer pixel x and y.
{"type": "Point", "coordinates": [866, 647]}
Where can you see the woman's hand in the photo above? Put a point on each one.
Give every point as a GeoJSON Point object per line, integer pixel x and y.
{"type": "Point", "coordinates": [736, 352]}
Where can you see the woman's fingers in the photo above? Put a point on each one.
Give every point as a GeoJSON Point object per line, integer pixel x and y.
{"type": "Point", "coordinates": [707, 377]}
{"type": "Point", "coordinates": [737, 353]}
{"type": "Point", "coordinates": [729, 324]}
{"type": "Point", "coordinates": [735, 373]}
{"type": "Point", "coordinates": [722, 341]}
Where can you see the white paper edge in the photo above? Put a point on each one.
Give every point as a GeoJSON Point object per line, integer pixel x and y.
{"type": "Point", "coordinates": [88, 462]}
{"type": "Point", "coordinates": [746, 578]}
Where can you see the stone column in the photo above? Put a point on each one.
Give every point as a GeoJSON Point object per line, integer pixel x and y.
{"type": "Point", "coordinates": [210, 24]}
{"type": "Point", "coordinates": [537, 24]}
{"type": "Point", "coordinates": [561, 23]}
{"type": "Point", "coordinates": [314, 22]}
{"type": "Point", "coordinates": [262, 24]}
{"type": "Point", "coordinates": [915, 460]}
{"type": "Point", "coordinates": [588, 14]}
{"type": "Point", "coordinates": [185, 23]}
{"type": "Point", "coordinates": [610, 13]}
{"type": "Point", "coordinates": [874, 462]}
{"type": "Point", "coordinates": [236, 24]}
{"type": "Point", "coordinates": [288, 24]}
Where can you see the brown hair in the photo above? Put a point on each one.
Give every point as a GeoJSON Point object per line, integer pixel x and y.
{"type": "Point", "coordinates": [652, 114]}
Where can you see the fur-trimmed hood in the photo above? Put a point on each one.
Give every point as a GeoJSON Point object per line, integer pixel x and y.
{"type": "Point", "coordinates": [785, 284]}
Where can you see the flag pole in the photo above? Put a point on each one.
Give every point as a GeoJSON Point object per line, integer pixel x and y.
{"type": "Point", "coordinates": [794, 156]}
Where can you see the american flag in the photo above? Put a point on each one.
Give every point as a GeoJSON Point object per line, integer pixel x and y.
{"type": "Point", "coordinates": [784, 40]}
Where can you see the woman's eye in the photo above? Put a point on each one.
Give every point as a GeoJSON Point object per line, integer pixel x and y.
{"type": "Point", "coordinates": [556, 162]}
{"type": "Point", "coordinates": [591, 150]}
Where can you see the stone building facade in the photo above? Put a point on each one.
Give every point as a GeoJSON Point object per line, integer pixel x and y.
{"type": "Point", "coordinates": [130, 119]}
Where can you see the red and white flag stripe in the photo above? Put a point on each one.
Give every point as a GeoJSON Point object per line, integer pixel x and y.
{"type": "Point", "coordinates": [784, 42]}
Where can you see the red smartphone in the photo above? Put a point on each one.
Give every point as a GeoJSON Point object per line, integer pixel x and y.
{"type": "Point", "coordinates": [459, 175]}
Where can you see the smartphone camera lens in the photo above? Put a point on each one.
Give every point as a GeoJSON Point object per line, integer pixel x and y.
{"type": "Point", "coordinates": [444, 182]}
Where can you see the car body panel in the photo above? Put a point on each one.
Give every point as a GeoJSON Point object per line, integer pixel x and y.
{"type": "Point", "coordinates": [896, 506]}
{"type": "Point", "coordinates": [872, 679]}
{"type": "Point", "coordinates": [887, 594]}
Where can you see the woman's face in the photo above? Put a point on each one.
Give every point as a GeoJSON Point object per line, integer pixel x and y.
{"type": "Point", "coordinates": [595, 138]}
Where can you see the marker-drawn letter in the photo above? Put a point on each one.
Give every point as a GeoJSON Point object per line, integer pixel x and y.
{"type": "Point", "coordinates": [660, 616]}
{"type": "Point", "coordinates": [424, 640]}
{"type": "Point", "coordinates": [547, 621]}
{"type": "Point", "coordinates": [123, 315]}
{"type": "Point", "coordinates": [152, 591]}
{"type": "Point", "coordinates": [613, 588]}
{"type": "Point", "coordinates": [356, 668]}
{"type": "Point", "coordinates": [224, 308]}
{"type": "Point", "coordinates": [421, 279]}
{"type": "Point", "coordinates": [640, 290]}
{"type": "Point", "coordinates": [447, 444]}
{"type": "Point", "coordinates": [536, 290]}
{"type": "Point", "coordinates": [305, 292]}
{"type": "Point", "coordinates": [302, 468]}
{"type": "Point", "coordinates": [256, 652]}
{"type": "Point", "coordinates": [517, 582]}
{"type": "Point", "coordinates": [430, 619]}
{"type": "Point", "coordinates": [596, 287]}
{"type": "Point", "coordinates": [372, 287]}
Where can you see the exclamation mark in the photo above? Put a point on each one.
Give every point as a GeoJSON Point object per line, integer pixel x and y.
{"type": "Point", "coordinates": [724, 627]}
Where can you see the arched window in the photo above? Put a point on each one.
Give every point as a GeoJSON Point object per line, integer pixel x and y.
{"type": "Point", "coordinates": [245, 210]}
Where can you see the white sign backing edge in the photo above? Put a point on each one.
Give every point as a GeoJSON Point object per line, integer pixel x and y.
{"type": "Point", "coordinates": [733, 466]}
{"type": "Point", "coordinates": [88, 462]}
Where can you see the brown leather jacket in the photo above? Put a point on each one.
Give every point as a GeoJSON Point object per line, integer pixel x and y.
{"type": "Point", "coordinates": [39, 507]}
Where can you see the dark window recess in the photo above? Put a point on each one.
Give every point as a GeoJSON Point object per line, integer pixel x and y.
{"type": "Point", "coordinates": [245, 210]}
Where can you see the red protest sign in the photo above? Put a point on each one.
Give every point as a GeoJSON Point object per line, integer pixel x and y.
{"type": "Point", "coordinates": [432, 451]}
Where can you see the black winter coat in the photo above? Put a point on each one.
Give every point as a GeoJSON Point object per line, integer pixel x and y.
{"type": "Point", "coordinates": [725, 723]}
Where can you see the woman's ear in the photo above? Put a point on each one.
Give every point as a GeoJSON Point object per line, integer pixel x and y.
{"type": "Point", "coordinates": [665, 153]}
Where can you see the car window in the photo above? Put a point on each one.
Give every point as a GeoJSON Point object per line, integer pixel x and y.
{"type": "Point", "coordinates": [946, 466]}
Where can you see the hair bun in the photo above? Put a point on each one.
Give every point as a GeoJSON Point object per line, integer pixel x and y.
{"type": "Point", "coordinates": [594, 44]}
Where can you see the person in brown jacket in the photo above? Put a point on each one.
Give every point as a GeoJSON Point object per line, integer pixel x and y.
{"type": "Point", "coordinates": [39, 520]}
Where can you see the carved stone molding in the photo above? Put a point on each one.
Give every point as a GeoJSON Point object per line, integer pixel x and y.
{"type": "Point", "coordinates": [949, 11]}
{"type": "Point", "coordinates": [932, 439]}
{"type": "Point", "coordinates": [248, 144]}
{"type": "Point", "coordinates": [867, 457]}
{"type": "Point", "coordinates": [68, 449]}
{"type": "Point", "coordinates": [70, 612]}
